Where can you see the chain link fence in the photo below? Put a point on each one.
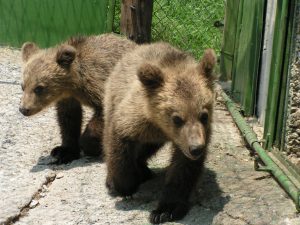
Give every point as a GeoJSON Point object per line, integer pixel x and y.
{"type": "Point", "coordinates": [189, 24]}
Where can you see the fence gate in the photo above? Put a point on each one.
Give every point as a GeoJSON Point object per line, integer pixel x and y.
{"type": "Point", "coordinates": [241, 62]}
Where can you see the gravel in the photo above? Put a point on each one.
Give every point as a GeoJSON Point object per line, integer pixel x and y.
{"type": "Point", "coordinates": [33, 191]}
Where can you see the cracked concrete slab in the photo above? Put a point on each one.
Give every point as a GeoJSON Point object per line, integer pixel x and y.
{"type": "Point", "coordinates": [18, 150]}
{"type": "Point", "coordinates": [32, 191]}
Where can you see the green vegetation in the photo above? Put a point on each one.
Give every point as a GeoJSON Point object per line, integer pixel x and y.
{"type": "Point", "coordinates": [188, 24]}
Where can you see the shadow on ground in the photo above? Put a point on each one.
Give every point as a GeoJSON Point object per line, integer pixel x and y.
{"type": "Point", "coordinates": [48, 162]}
{"type": "Point", "coordinates": [207, 202]}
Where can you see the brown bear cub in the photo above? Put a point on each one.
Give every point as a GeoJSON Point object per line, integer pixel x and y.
{"type": "Point", "coordinates": [158, 94]}
{"type": "Point", "coordinates": [71, 75]}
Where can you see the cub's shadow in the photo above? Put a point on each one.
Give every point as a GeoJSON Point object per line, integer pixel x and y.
{"type": "Point", "coordinates": [48, 162]}
{"type": "Point", "coordinates": [207, 201]}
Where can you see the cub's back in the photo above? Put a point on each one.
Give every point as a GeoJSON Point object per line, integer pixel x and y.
{"type": "Point", "coordinates": [101, 53]}
{"type": "Point", "coordinates": [124, 81]}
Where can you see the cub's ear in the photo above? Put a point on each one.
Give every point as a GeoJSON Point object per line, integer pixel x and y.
{"type": "Point", "coordinates": [207, 63]}
{"type": "Point", "coordinates": [28, 49]}
{"type": "Point", "coordinates": [65, 56]}
{"type": "Point", "coordinates": [150, 76]}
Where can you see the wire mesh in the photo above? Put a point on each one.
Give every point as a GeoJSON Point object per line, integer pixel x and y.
{"type": "Point", "coordinates": [187, 24]}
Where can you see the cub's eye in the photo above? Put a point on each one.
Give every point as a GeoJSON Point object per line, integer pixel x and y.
{"type": "Point", "coordinates": [39, 90]}
{"type": "Point", "coordinates": [178, 121]}
{"type": "Point", "coordinates": [203, 117]}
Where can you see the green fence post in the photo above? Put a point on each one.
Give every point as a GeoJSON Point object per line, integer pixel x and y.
{"type": "Point", "coordinates": [110, 15]}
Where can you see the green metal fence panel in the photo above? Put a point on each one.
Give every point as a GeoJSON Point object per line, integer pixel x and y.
{"type": "Point", "coordinates": [48, 22]}
{"type": "Point", "coordinates": [278, 78]}
{"type": "Point", "coordinates": [228, 45]}
{"type": "Point", "coordinates": [247, 53]}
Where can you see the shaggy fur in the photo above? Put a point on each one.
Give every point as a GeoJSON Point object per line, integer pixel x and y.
{"type": "Point", "coordinates": [71, 75]}
{"type": "Point", "coordinates": [154, 95]}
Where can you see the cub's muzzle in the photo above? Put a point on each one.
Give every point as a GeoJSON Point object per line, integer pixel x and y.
{"type": "Point", "coordinates": [24, 111]}
{"type": "Point", "coordinates": [196, 150]}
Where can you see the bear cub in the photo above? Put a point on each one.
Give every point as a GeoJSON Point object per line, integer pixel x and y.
{"type": "Point", "coordinates": [158, 94]}
{"type": "Point", "coordinates": [71, 75]}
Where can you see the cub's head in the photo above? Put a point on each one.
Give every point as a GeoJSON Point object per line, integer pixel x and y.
{"type": "Point", "coordinates": [180, 99]}
{"type": "Point", "coordinates": [46, 76]}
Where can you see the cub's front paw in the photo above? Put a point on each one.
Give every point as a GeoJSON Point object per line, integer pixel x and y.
{"type": "Point", "coordinates": [65, 154]}
{"type": "Point", "coordinates": [167, 212]}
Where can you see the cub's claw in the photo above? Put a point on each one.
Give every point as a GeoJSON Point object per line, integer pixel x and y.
{"type": "Point", "coordinates": [167, 212]}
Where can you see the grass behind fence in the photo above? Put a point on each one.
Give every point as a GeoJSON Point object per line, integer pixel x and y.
{"type": "Point", "coordinates": [187, 24]}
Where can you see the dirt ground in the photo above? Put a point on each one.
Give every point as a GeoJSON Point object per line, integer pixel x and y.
{"type": "Point", "coordinates": [33, 191]}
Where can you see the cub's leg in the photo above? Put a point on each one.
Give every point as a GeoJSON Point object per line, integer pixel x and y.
{"type": "Point", "coordinates": [144, 152]}
{"type": "Point", "coordinates": [91, 139]}
{"type": "Point", "coordinates": [181, 178]}
{"type": "Point", "coordinates": [122, 172]}
{"type": "Point", "coordinates": [69, 114]}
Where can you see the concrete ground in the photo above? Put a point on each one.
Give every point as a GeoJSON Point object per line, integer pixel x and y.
{"type": "Point", "coordinates": [33, 191]}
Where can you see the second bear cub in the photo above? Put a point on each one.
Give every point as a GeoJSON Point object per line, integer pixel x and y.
{"type": "Point", "coordinates": [158, 94]}
{"type": "Point", "coordinates": [70, 75]}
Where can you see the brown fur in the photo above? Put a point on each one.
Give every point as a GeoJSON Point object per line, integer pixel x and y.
{"type": "Point", "coordinates": [70, 75]}
{"type": "Point", "coordinates": [154, 95]}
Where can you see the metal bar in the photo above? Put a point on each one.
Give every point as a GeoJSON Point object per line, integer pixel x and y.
{"type": "Point", "coordinates": [253, 142]}
{"type": "Point", "coordinates": [110, 15]}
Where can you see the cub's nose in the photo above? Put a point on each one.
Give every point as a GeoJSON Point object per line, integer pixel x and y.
{"type": "Point", "coordinates": [24, 111]}
{"type": "Point", "coordinates": [196, 150]}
